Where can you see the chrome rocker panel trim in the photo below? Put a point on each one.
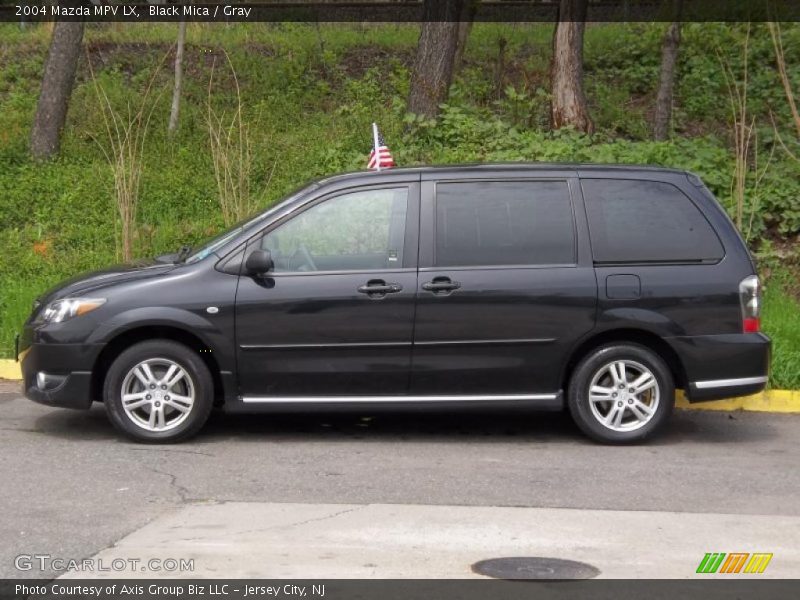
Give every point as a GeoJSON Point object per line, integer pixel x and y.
{"type": "Point", "coordinates": [722, 383]}
{"type": "Point", "coordinates": [390, 399]}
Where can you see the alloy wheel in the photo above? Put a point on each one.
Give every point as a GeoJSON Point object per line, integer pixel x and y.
{"type": "Point", "coordinates": [157, 394]}
{"type": "Point", "coordinates": [624, 395]}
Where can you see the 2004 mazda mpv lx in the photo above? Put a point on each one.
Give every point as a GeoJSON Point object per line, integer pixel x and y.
{"type": "Point", "coordinates": [603, 288]}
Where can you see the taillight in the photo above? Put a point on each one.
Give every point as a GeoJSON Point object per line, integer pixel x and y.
{"type": "Point", "coordinates": [752, 324]}
{"type": "Point", "coordinates": [750, 300]}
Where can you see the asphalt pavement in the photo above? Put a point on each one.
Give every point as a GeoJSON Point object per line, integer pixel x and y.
{"type": "Point", "coordinates": [71, 487]}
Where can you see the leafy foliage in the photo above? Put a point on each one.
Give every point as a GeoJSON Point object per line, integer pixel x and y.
{"type": "Point", "coordinates": [309, 94]}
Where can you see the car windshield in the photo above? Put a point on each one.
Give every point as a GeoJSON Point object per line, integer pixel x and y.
{"type": "Point", "coordinates": [216, 243]}
{"type": "Point", "coordinates": [226, 236]}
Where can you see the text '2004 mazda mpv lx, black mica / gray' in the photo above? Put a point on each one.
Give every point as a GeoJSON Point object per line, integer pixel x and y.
{"type": "Point", "coordinates": [600, 287]}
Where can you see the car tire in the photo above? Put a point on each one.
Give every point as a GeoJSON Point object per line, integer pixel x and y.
{"type": "Point", "coordinates": [158, 392]}
{"type": "Point", "coordinates": [621, 393]}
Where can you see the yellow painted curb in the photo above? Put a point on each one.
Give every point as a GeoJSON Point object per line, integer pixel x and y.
{"type": "Point", "coordinates": [9, 369]}
{"type": "Point", "coordinates": [781, 401]}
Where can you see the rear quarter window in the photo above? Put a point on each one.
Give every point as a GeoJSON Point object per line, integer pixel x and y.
{"type": "Point", "coordinates": [646, 221]}
{"type": "Point", "coordinates": [496, 223]}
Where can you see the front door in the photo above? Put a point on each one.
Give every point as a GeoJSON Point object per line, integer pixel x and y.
{"type": "Point", "coordinates": [502, 294]}
{"type": "Point", "coordinates": [335, 316]}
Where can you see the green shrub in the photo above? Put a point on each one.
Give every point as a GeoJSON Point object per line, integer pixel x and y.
{"type": "Point", "coordinates": [310, 95]}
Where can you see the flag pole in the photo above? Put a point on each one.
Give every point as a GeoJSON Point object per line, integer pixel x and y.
{"type": "Point", "coordinates": [375, 145]}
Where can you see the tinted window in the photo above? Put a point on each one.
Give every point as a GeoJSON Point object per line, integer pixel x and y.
{"type": "Point", "coordinates": [504, 223]}
{"type": "Point", "coordinates": [357, 231]}
{"type": "Point", "coordinates": [646, 221]}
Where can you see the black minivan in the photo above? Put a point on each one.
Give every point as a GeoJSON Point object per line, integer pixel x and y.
{"type": "Point", "coordinates": [600, 287]}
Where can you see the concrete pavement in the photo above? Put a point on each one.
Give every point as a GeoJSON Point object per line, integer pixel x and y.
{"type": "Point", "coordinates": [328, 541]}
{"type": "Point", "coordinates": [72, 487]}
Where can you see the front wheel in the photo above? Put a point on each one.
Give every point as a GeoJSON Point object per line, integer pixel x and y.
{"type": "Point", "coordinates": [621, 393]}
{"type": "Point", "coordinates": [158, 392]}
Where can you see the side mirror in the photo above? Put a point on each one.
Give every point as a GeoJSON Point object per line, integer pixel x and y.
{"type": "Point", "coordinates": [259, 262]}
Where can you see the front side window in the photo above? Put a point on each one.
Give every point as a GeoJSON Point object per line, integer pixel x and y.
{"type": "Point", "coordinates": [358, 231]}
{"type": "Point", "coordinates": [646, 221]}
{"type": "Point", "coordinates": [218, 241]}
{"type": "Point", "coordinates": [494, 223]}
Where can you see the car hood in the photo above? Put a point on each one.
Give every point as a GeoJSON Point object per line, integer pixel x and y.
{"type": "Point", "coordinates": [88, 283]}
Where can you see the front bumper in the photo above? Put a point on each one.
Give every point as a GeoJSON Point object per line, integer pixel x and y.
{"type": "Point", "coordinates": [723, 366]}
{"type": "Point", "coordinates": [59, 374]}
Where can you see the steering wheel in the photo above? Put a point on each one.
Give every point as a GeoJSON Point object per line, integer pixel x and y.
{"type": "Point", "coordinates": [307, 256]}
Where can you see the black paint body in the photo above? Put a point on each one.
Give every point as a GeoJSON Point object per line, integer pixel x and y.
{"type": "Point", "coordinates": [505, 331]}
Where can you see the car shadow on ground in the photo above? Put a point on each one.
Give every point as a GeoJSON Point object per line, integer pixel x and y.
{"type": "Point", "coordinates": [474, 426]}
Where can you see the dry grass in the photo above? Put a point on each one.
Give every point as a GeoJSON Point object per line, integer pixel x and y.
{"type": "Point", "coordinates": [745, 138]}
{"type": "Point", "coordinates": [231, 155]}
{"type": "Point", "coordinates": [123, 148]}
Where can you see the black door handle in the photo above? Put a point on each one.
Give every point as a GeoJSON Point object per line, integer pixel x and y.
{"type": "Point", "coordinates": [441, 285]}
{"type": "Point", "coordinates": [379, 288]}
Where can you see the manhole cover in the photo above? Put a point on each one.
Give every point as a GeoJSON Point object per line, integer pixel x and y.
{"type": "Point", "coordinates": [534, 567]}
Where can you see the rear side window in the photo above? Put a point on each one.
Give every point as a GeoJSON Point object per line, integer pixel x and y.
{"type": "Point", "coordinates": [492, 223]}
{"type": "Point", "coordinates": [646, 221]}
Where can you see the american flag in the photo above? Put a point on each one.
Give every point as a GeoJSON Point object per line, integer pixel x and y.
{"type": "Point", "coordinates": [380, 157]}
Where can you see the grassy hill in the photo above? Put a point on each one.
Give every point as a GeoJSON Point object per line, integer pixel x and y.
{"type": "Point", "coordinates": [309, 94]}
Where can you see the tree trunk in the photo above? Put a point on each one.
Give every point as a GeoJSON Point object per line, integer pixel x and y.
{"type": "Point", "coordinates": [436, 50]}
{"type": "Point", "coordinates": [500, 68]}
{"type": "Point", "coordinates": [780, 58]}
{"type": "Point", "coordinates": [176, 93]}
{"type": "Point", "coordinates": [57, 82]}
{"type": "Point", "coordinates": [468, 10]}
{"type": "Point", "coordinates": [669, 59]}
{"type": "Point", "coordinates": [569, 103]}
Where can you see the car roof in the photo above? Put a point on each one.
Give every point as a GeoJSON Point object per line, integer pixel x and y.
{"type": "Point", "coordinates": [478, 168]}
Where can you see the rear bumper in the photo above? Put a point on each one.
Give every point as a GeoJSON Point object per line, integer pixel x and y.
{"type": "Point", "coordinates": [58, 374]}
{"type": "Point", "coordinates": [723, 366]}
{"type": "Point", "coordinates": [715, 389]}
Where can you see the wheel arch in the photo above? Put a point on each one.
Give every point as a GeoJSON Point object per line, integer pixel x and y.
{"type": "Point", "coordinates": [631, 335]}
{"type": "Point", "coordinates": [125, 339]}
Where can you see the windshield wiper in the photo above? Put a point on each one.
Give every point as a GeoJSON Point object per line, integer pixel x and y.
{"type": "Point", "coordinates": [183, 254]}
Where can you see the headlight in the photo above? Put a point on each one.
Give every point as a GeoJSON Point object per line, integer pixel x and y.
{"type": "Point", "coordinates": [61, 310]}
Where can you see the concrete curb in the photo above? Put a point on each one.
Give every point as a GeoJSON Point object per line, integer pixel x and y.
{"type": "Point", "coordinates": [775, 401]}
{"type": "Point", "coordinates": [9, 369]}
{"type": "Point", "coordinates": [778, 401]}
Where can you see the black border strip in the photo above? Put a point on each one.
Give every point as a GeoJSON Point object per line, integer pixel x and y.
{"type": "Point", "coordinates": [708, 587]}
{"type": "Point", "coordinates": [398, 11]}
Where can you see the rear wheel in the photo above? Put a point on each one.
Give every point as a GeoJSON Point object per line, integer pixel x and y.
{"type": "Point", "coordinates": [158, 392]}
{"type": "Point", "coordinates": [621, 393]}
